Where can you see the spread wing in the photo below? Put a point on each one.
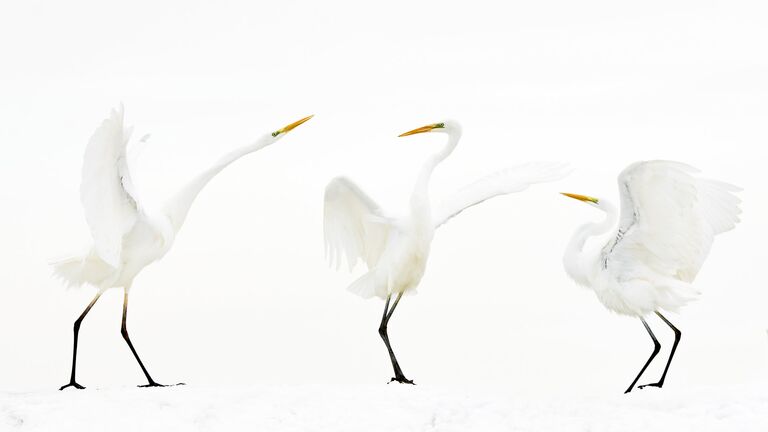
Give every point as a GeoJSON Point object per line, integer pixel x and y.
{"type": "Point", "coordinates": [106, 191]}
{"type": "Point", "coordinates": [510, 180]}
{"type": "Point", "coordinates": [354, 225]}
{"type": "Point", "coordinates": [669, 218]}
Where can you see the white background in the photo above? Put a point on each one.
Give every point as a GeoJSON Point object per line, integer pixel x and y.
{"type": "Point", "coordinates": [245, 296]}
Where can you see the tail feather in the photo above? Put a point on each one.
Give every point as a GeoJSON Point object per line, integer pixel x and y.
{"type": "Point", "coordinates": [81, 270]}
{"type": "Point", "coordinates": [369, 285]}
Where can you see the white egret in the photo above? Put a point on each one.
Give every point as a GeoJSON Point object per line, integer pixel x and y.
{"type": "Point", "coordinates": [128, 236]}
{"type": "Point", "coordinates": [652, 250]}
{"type": "Point", "coordinates": [395, 249]}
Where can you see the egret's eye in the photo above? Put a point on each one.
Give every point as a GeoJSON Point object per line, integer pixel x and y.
{"type": "Point", "coordinates": [275, 133]}
{"type": "Point", "coordinates": [440, 125]}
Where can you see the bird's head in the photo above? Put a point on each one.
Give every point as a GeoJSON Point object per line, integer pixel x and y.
{"type": "Point", "coordinates": [592, 201]}
{"type": "Point", "coordinates": [445, 126]}
{"type": "Point", "coordinates": [276, 135]}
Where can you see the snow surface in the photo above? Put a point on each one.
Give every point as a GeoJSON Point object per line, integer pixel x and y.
{"type": "Point", "coordinates": [380, 408]}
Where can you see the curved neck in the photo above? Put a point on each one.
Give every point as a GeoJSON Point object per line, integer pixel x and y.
{"type": "Point", "coordinates": [578, 264]}
{"type": "Point", "coordinates": [420, 196]}
{"type": "Point", "coordinates": [177, 207]}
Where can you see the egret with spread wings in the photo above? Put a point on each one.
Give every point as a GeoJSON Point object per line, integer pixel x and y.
{"type": "Point", "coordinates": [395, 249]}
{"type": "Point", "coordinates": [128, 236]}
{"type": "Point", "coordinates": [649, 253]}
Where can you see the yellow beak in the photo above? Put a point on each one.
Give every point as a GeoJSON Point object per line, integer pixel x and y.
{"type": "Point", "coordinates": [581, 197]}
{"type": "Point", "coordinates": [422, 129]}
{"type": "Point", "coordinates": [292, 126]}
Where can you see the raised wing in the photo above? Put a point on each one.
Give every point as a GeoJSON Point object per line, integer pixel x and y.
{"type": "Point", "coordinates": [669, 218]}
{"type": "Point", "coordinates": [106, 191]}
{"type": "Point", "coordinates": [354, 225]}
{"type": "Point", "coordinates": [510, 180]}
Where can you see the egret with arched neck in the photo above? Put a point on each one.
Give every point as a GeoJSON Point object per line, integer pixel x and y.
{"type": "Point", "coordinates": [396, 249]}
{"type": "Point", "coordinates": [647, 256]}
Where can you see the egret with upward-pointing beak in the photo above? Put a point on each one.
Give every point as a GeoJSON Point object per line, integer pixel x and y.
{"type": "Point", "coordinates": [128, 236]}
{"type": "Point", "coordinates": [396, 249]}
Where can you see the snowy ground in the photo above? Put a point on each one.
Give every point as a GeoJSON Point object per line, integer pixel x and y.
{"type": "Point", "coordinates": [380, 408]}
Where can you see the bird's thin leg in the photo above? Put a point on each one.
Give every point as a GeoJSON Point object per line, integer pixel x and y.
{"type": "Point", "coordinates": [671, 353]}
{"type": "Point", "coordinates": [399, 376]}
{"type": "Point", "coordinates": [124, 331]}
{"type": "Point", "coordinates": [656, 348]}
{"type": "Point", "coordinates": [72, 382]}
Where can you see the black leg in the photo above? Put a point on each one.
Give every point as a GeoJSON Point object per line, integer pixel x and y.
{"type": "Point", "coordinates": [678, 334]}
{"type": "Point", "coordinates": [72, 382]}
{"type": "Point", "coordinates": [399, 376]}
{"type": "Point", "coordinates": [656, 348]}
{"type": "Point", "coordinates": [124, 331]}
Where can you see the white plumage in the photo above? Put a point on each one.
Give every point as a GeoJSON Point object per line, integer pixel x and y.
{"type": "Point", "coordinates": [510, 180]}
{"type": "Point", "coordinates": [127, 236]}
{"type": "Point", "coordinates": [106, 189]}
{"type": "Point", "coordinates": [396, 249]}
{"type": "Point", "coordinates": [357, 229]}
{"type": "Point", "coordinates": [658, 242]}
{"type": "Point", "coordinates": [355, 226]}
{"type": "Point", "coordinates": [670, 218]}
{"type": "Point", "coordinates": [665, 229]}
{"type": "Point", "coordinates": [111, 209]}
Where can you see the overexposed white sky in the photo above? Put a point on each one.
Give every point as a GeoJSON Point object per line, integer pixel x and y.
{"type": "Point", "coordinates": [245, 295]}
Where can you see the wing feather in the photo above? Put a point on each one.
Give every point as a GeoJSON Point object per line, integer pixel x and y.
{"type": "Point", "coordinates": [106, 191]}
{"type": "Point", "coordinates": [669, 218]}
{"type": "Point", "coordinates": [509, 180]}
{"type": "Point", "coordinates": [355, 227]}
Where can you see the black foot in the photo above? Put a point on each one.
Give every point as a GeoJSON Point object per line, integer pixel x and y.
{"type": "Point", "coordinates": [154, 384]}
{"type": "Point", "coordinates": [402, 380]}
{"type": "Point", "coordinates": [658, 384]}
{"type": "Point", "coordinates": [72, 384]}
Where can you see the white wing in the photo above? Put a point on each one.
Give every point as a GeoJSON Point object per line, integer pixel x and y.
{"type": "Point", "coordinates": [669, 218]}
{"type": "Point", "coordinates": [510, 180]}
{"type": "Point", "coordinates": [354, 225]}
{"type": "Point", "coordinates": [106, 191]}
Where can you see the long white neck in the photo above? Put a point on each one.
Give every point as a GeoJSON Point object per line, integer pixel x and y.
{"type": "Point", "coordinates": [420, 206]}
{"type": "Point", "coordinates": [177, 207]}
{"type": "Point", "coordinates": [579, 264]}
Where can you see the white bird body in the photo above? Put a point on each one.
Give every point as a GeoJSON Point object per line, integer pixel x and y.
{"type": "Point", "coordinates": [127, 236]}
{"type": "Point", "coordinates": [396, 249]}
{"type": "Point", "coordinates": [653, 250]}
{"type": "Point", "coordinates": [402, 263]}
{"type": "Point", "coordinates": [146, 242]}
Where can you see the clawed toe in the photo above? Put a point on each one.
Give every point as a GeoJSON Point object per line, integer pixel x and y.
{"type": "Point", "coordinates": [72, 384]}
{"type": "Point", "coordinates": [650, 385]}
{"type": "Point", "coordinates": [153, 384]}
{"type": "Point", "coordinates": [402, 380]}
